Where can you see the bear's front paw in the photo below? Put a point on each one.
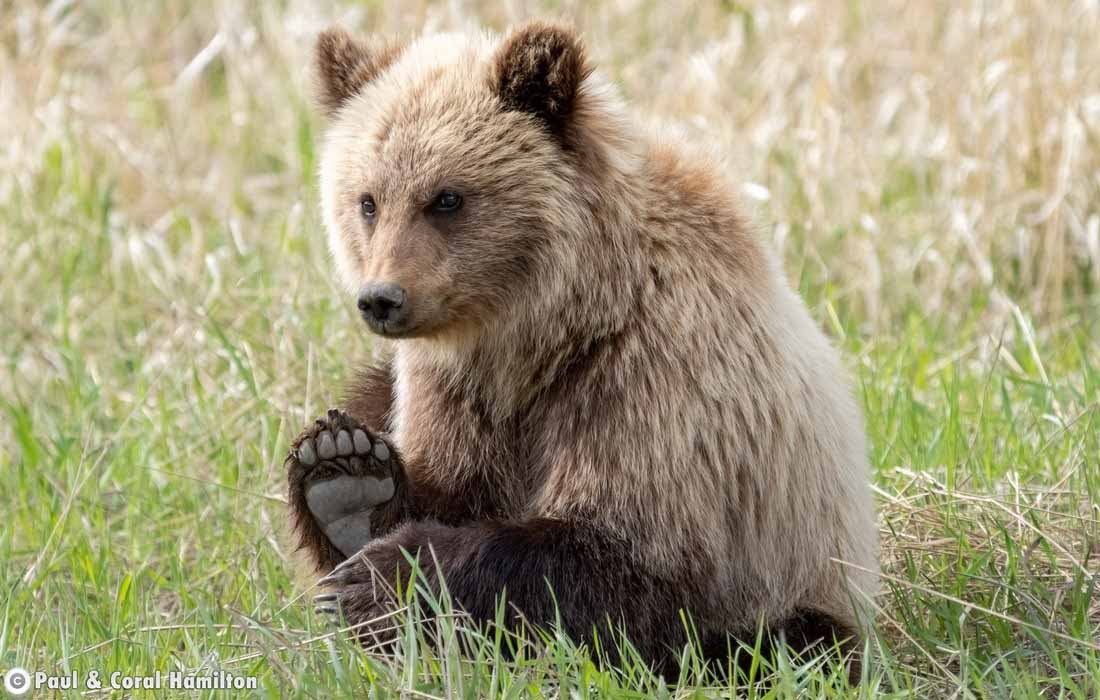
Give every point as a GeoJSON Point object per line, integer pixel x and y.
{"type": "Point", "coordinates": [338, 473]}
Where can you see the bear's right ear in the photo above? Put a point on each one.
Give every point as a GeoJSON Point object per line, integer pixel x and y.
{"type": "Point", "coordinates": [344, 64]}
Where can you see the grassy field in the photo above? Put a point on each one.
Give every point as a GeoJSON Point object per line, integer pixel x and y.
{"type": "Point", "coordinates": [929, 170]}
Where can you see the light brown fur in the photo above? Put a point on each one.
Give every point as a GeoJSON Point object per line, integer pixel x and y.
{"type": "Point", "coordinates": [600, 337]}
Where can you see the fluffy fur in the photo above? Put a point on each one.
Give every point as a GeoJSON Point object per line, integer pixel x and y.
{"type": "Point", "coordinates": [607, 384]}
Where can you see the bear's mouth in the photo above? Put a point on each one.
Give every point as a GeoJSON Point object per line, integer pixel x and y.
{"type": "Point", "coordinates": [392, 329]}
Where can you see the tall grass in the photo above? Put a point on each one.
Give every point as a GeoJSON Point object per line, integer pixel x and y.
{"type": "Point", "coordinates": [930, 172]}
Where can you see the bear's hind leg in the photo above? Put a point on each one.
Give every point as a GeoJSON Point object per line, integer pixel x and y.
{"type": "Point", "coordinates": [806, 633]}
{"type": "Point", "coordinates": [810, 632]}
{"type": "Point", "coordinates": [338, 473]}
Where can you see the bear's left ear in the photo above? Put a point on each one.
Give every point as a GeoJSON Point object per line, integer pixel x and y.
{"type": "Point", "coordinates": [539, 69]}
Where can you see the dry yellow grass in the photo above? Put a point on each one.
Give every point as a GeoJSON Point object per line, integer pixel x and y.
{"type": "Point", "coordinates": [930, 149]}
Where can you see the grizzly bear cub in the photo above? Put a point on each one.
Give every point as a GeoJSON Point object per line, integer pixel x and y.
{"type": "Point", "coordinates": [596, 397]}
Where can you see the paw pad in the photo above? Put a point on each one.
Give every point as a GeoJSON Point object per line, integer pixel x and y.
{"type": "Point", "coordinates": [343, 443]}
{"type": "Point", "coordinates": [306, 453]}
{"type": "Point", "coordinates": [381, 452]}
{"type": "Point", "coordinates": [326, 446]}
{"type": "Point", "coordinates": [361, 442]}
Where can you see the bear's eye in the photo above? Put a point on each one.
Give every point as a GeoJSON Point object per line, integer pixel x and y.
{"type": "Point", "coordinates": [447, 201]}
{"type": "Point", "coordinates": [367, 207]}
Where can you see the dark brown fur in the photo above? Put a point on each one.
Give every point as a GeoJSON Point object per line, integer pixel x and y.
{"type": "Point", "coordinates": [538, 70]}
{"type": "Point", "coordinates": [369, 398]}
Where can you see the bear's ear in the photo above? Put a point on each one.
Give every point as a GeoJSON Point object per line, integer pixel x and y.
{"type": "Point", "coordinates": [344, 64]}
{"type": "Point", "coordinates": [539, 69]}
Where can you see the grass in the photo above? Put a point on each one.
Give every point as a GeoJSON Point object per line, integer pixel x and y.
{"type": "Point", "coordinates": [928, 170]}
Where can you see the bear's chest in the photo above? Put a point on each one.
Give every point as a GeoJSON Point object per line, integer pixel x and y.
{"type": "Point", "coordinates": [463, 461]}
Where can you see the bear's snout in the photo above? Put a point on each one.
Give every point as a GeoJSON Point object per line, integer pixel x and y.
{"type": "Point", "coordinates": [383, 306]}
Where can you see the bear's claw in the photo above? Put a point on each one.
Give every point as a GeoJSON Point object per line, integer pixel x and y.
{"type": "Point", "coordinates": [327, 604]}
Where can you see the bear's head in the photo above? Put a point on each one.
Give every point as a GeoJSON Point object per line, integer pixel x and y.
{"type": "Point", "coordinates": [449, 169]}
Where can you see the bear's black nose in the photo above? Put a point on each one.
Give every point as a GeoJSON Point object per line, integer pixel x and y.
{"type": "Point", "coordinates": [382, 301]}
